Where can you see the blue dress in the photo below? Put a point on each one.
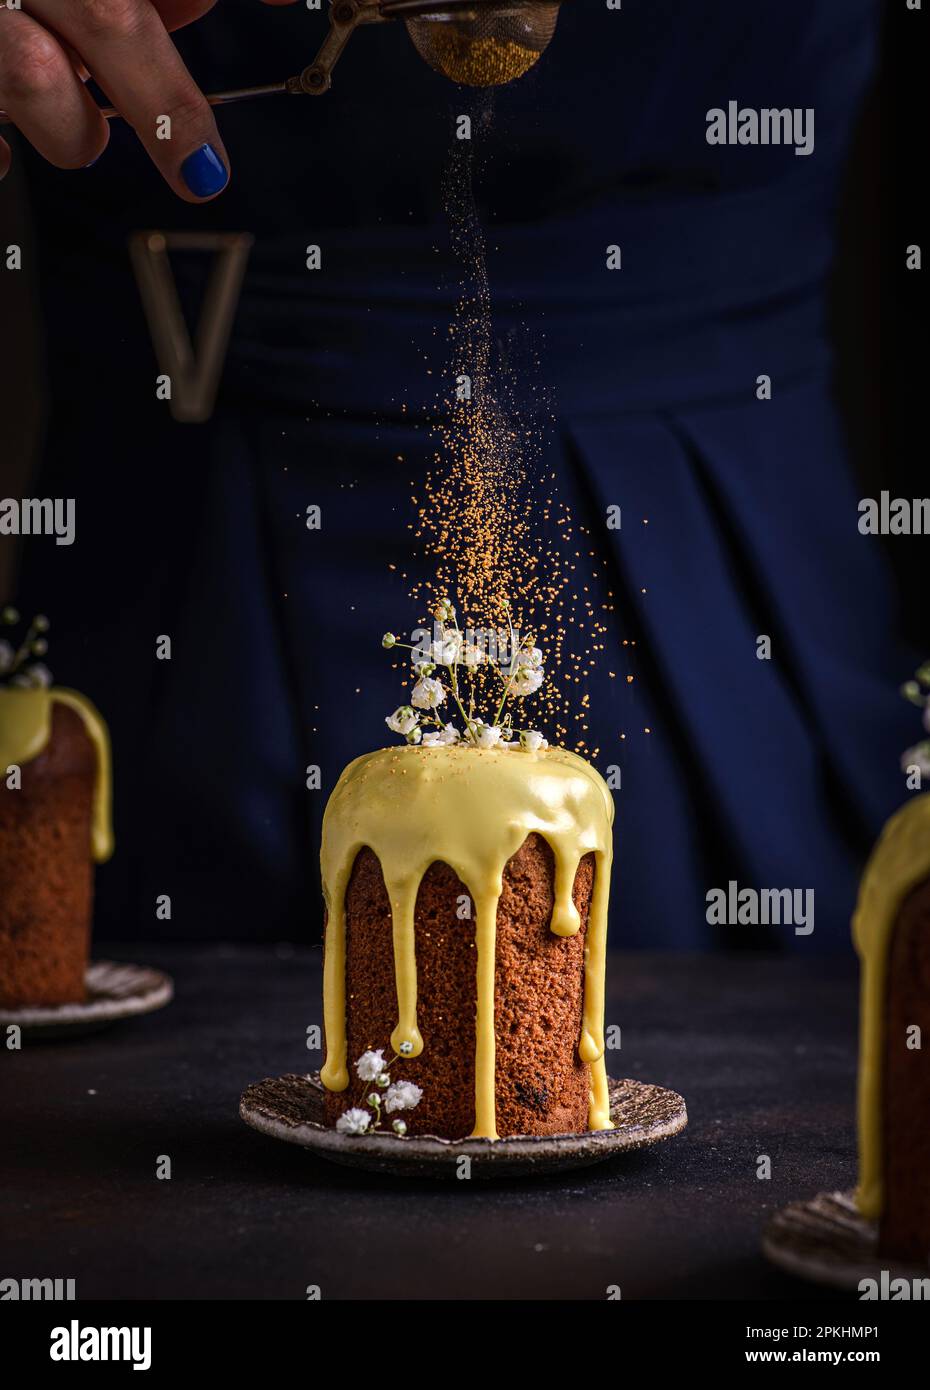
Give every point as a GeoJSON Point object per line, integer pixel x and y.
{"type": "Point", "coordinates": [774, 773]}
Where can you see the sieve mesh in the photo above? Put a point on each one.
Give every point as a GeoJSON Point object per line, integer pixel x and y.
{"type": "Point", "coordinates": [488, 44]}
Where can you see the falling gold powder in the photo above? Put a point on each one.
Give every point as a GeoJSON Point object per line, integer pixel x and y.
{"type": "Point", "coordinates": [491, 529]}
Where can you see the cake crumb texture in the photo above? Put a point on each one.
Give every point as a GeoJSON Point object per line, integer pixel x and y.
{"type": "Point", "coordinates": [541, 1086]}
{"type": "Point", "coordinates": [46, 870]}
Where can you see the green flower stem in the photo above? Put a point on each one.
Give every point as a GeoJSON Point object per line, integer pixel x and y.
{"type": "Point", "coordinates": [513, 662]}
{"type": "Point", "coordinates": [385, 1071]}
{"type": "Point", "coordinates": [468, 722]}
{"type": "Point", "coordinates": [25, 648]}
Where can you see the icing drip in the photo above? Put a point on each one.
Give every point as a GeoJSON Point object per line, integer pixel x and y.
{"type": "Point", "coordinates": [25, 729]}
{"type": "Point", "coordinates": [485, 1037]}
{"type": "Point", "coordinates": [471, 809]}
{"type": "Point", "coordinates": [899, 862]}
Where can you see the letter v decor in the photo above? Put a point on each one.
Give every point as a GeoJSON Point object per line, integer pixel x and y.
{"type": "Point", "coordinates": [194, 374]}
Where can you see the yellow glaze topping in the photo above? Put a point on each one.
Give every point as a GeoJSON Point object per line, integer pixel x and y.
{"type": "Point", "coordinates": [899, 862]}
{"type": "Point", "coordinates": [472, 809]}
{"type": "Point", "coordinates": [25, 729]}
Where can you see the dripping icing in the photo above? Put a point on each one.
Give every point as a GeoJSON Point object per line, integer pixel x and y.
{"type": "Point", "coordinates": [471, 809]}
{"type": "Point", "coordinates": [899, 862]}
{"type": "Point", "coordinates": [25, 729]}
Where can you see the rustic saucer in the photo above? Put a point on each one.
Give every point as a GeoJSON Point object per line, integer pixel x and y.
{"type": "Point", "coordinates": [291, 1108]}
{"type": "Point", "coordinates": [113, 992]}
{"type": "Point", "coordinates": [826, 1241]}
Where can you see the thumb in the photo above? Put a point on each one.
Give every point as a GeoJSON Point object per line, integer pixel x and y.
{"type": "Point", "coordinates": [175, 14]}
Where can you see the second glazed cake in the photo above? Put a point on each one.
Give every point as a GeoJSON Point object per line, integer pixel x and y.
{"type": "Point", "coordinates": [54, 822]}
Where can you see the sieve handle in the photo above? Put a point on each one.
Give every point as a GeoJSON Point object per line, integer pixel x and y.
{"type": "Point", "coordinates": [110, 113]}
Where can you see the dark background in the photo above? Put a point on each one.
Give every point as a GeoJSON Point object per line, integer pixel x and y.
{"type": "Point", "coordinates": [339, 167]}
{"type": "Point", "coordinates": [763, 1049]}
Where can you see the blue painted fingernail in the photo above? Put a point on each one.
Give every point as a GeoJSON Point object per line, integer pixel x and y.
{"type": "Point", "coordinates": [204, 172]}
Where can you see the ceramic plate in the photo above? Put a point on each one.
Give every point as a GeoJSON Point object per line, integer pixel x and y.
{"type": "Point", "coordinates": [827, 1241]}
{"type": "Point", "coordinates": [113, 992]}
{"type": "Point", "coordinates": [291, 1108]}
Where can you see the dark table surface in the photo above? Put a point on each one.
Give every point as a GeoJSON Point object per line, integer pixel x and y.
{"type": "Point", "coordinates": [762, 1048]}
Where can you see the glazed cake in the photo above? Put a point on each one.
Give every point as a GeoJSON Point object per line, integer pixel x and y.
{"type": "Point", "coordinates": [466, 893]}
{"type": "Point", "coordinates": [53, 826]}
{"type": "Point", "coordinates": [891, 929]}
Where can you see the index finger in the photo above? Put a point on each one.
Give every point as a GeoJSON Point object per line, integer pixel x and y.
{"type": "Point", "coordinates": [130, 54]}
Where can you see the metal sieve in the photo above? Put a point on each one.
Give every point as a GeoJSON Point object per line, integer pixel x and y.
{"type": "Point", "coordinates": [484, 45]}
{"type": "Point", "coordinates": [476, 43]}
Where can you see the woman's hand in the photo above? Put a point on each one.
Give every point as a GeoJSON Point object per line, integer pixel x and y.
{"type": "Point", "coordinates": [49, 48]}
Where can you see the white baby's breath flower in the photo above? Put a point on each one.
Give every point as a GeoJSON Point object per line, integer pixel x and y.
{"type": "Point", "coordinates": [524, 656]}
{"type": "Point", "coordinates": [432, 740]}
{"type": "Point", "coordinates": [399, 1127]}
{"type": "Point", "coordinates": [402, 1095]}
{"type": "Point", "coordinates": [444, 611]}
{"type": "Point", "coordinates": [405, 1049]}
{"type": "Point", "coordinates": [388, 641]}
{"type": "Point", "coordinates": [448, 651]}
{"type": "Point", "coordinates": [33, 677]}
{"type": "Point", "coordinates": [402, 720]}
{"type": "Point", "coordinates": [415, 736]}
{"type": "Point", "coordinates": [471, 655]}
{"type": "Point", "coordinates": [488, 735]}
{"type": "Point", "coordinates": [450, 735]}
{"type": "Point", "coordinates": [370, 1065]}
{"type": "Point", "coordinates": [354, 1121]}
{"type": "Point", "coordinates": [919, 757]}
{"type": "Point", "coordinates": [526, 680]}
{"type": "Point", "coordinates": [427, 694]}
{"type": "Point", "coordinates": [6, 655]}
{"type": "Point", "coordinates": [532, 741]}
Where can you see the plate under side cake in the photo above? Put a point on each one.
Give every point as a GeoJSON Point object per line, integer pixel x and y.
{"type": "Point", "coordinates": [292, 1109]}
{"type": "Point", "coordinates": [828, 1241]}
{"type": "Point", "coordinates": [114, 992]}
